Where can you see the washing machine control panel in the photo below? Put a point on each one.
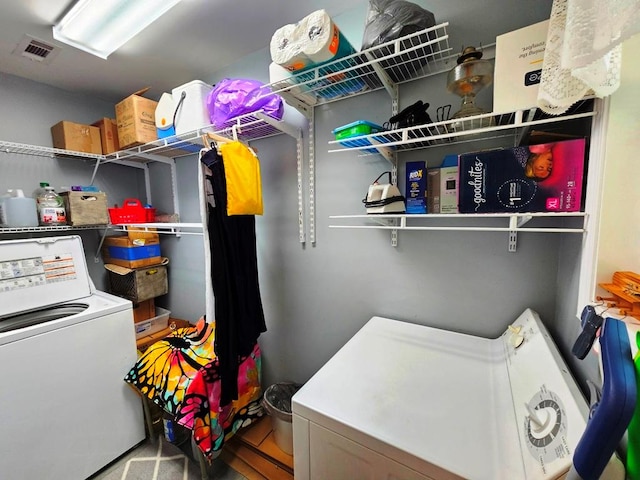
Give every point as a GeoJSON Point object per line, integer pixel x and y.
{"type": "Point", "coordinates": [550, 410]}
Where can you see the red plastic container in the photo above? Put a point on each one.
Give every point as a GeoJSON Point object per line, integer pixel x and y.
{"type": "Point", "coordinates": [132, 211]}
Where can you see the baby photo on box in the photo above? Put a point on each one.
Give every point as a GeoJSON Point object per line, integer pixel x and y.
{"type": "Point", "coordinates": [536, 178]}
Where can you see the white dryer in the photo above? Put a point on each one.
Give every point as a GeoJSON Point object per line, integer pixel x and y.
{"type": "Point", "coordinates": [65, 348]}
{"type": "Point", "coordinates": [409, 402]}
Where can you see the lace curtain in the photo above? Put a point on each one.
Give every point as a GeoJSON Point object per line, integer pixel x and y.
{"type": "Point", "coordinates": [583, 54]}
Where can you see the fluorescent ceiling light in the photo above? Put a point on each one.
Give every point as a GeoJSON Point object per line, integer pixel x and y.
{"type": "Point", "coordinates": [100, 27]}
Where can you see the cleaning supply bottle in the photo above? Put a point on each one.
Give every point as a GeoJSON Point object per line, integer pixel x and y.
{"type": "Point", "coordinates": [51, 209]}
{"type": "Point", "coordinates": [16, 210]}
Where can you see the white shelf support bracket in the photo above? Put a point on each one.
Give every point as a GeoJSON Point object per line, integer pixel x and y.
{"type": "Point", "coordinates": [390, 86]}
{"type": "Point", "coordinates": [147, 184]}
{"type": "Point", "coordinates": [300, 170]}
{"type": "Point", "coordinates": [174, 191]}
{"type": "Point", "coordinates": [312, 179]}
{"type": "Point", "coordinates": [513, 240]}
{"type": "Point", "coordinates": [513, 233]}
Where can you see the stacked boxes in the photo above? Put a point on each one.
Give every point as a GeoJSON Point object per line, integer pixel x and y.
{"type": "Point", "coordinates": [138, 272]}
{"type": "Point", "coordinates": [132, 252]}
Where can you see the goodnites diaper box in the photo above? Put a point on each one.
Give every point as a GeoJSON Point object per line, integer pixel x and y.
{"type": "Point", "coordinates": [537, 178]}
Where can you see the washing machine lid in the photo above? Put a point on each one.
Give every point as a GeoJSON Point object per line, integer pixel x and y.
{"type": "Point", "coordinates": [39, 272]}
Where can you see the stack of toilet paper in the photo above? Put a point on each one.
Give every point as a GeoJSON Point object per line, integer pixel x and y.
{"type": "Point", "coordinates": [312, 41]}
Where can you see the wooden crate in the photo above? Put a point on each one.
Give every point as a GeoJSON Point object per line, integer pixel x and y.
{"type": "Point", "coordinates": [86, 208]}
{"type": "Point", "coordinates": [138, 284]}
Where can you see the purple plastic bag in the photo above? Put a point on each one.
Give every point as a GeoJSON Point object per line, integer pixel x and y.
{"type": "Point", "coordinates": [232, 97]}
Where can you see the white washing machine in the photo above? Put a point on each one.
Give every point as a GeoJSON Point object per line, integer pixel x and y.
{"type": "Point", "coordinates": [403, 401]}
{"type": "Point", "coordinates": [65, 348]}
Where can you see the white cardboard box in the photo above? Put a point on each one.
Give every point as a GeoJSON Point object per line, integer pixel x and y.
{"type": "Point", "coordinates": [518, 65]}
{"type": "Point", "coordinates": [442, 190]}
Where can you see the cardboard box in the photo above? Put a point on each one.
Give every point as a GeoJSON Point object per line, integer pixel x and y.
{"type": "Point", "coordinates": [86, 208]}
{"type": "Point", "coordinates": [442, 186]}
{"type": "Point", "coordinates": [449, 189]}
{"type": "Point", "coordinates": [76, 137]}
{"type": "Point", "coordinates": [108, 135]}
{"type": "Point", "coordinates": [135, 118]}
{"type": "Point", "coordinates": [433, 190]}
{"type": "Point", "coordinates": [416, 187]}
{"type": "Point", "coordinates": [138, 284]}
{"type": "Point", "coordinates": [547, 177]}
{"type": "Point", "coordinates": [144, 310]}
{"type": "Point", "coordinates": [155, 324]}
{"type": "Point", "coordinates": [518, 66]}
{"type": "Point", "coordinates": [125, 252]}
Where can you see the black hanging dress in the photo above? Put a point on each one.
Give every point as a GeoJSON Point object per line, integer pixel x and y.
{"type": "Point", "coordinates": [239, 318]}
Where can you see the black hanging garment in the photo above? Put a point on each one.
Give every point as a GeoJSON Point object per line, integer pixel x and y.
{"type": "Point", "coordinates": [239, 318]}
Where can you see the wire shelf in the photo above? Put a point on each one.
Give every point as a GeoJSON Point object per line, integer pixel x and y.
{"type": "Point", "coordinates": [411, 57]}
{"type": "Point", "coordinates": [35, 150]}
{"type": "Point", "coordinates": [248, 127]}
{"type": "Point", "coordinates": [486, 126]}
{"type": "Point", "coordinates": [51, 228]}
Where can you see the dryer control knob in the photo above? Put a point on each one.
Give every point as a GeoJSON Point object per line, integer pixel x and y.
{"type": "Point", "coordinates": [517, 340]}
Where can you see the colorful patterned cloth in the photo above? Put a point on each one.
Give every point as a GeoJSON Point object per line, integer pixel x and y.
{"type": "Point", "coordinates": [180, 374]}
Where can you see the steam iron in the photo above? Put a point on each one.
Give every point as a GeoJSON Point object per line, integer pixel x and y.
{"type": "Point", "coordinates": [384, 198]}
{"type": "Point", "coordinates": [595, 455]}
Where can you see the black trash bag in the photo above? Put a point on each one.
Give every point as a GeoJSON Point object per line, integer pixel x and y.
{"type": "Point", "coordinates": [278, 397]}
{"type": "Point", "coordinates": [391, 19]}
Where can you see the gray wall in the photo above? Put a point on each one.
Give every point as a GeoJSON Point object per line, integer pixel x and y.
{"type": "Point", "coordinates": [29, 109]}
{"type": "Point", "coordinates": [317, 296]}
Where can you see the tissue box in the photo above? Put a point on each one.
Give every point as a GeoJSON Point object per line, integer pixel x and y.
{"type": "Point", "coordinates": [135, 118]}
{"type": "Point", "coordinates": [86, 208]}
{"type": "Point", "coordinates": [139, 284]}
{"type": "Point", "coordinates": [537, 178]}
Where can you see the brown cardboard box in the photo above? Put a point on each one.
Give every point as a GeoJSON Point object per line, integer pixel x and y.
{"type": "Point", "coordinates": [108, 134]}
{"type": "Point", "coordinates": [144, 310]}
{"type": "Point", "coordinates": [138, 284]}
{"type": "Point", "coordinates": [135, 117]}
{"type": "Point", "coordinates": [123, 251]}
{"type": "Point", "coordinates": [76, 137]}
{"type": "Point", "coordinates": [86, 208]}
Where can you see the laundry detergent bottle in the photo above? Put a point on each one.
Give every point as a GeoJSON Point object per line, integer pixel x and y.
{"type": "Point", "coordinates": [51, 209]}
{"type": "Point", "coordinates": [16, 210]}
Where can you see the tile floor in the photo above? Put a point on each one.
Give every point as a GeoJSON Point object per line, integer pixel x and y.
{"type": "Point", "coordinates": [161, 460]}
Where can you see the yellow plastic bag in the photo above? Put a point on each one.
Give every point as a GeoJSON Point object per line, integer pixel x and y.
{"type": "Point", "coordinates": [242, 175]}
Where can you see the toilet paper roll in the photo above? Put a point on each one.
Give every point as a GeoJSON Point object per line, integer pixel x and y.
{"type": "Point", "coordinates": [323, 41]}
{"type": "Point", "coordinates": [286, 47]}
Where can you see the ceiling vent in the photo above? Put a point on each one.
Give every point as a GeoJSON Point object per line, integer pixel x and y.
{"type": "Point", "coordinates": [36, 49]}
